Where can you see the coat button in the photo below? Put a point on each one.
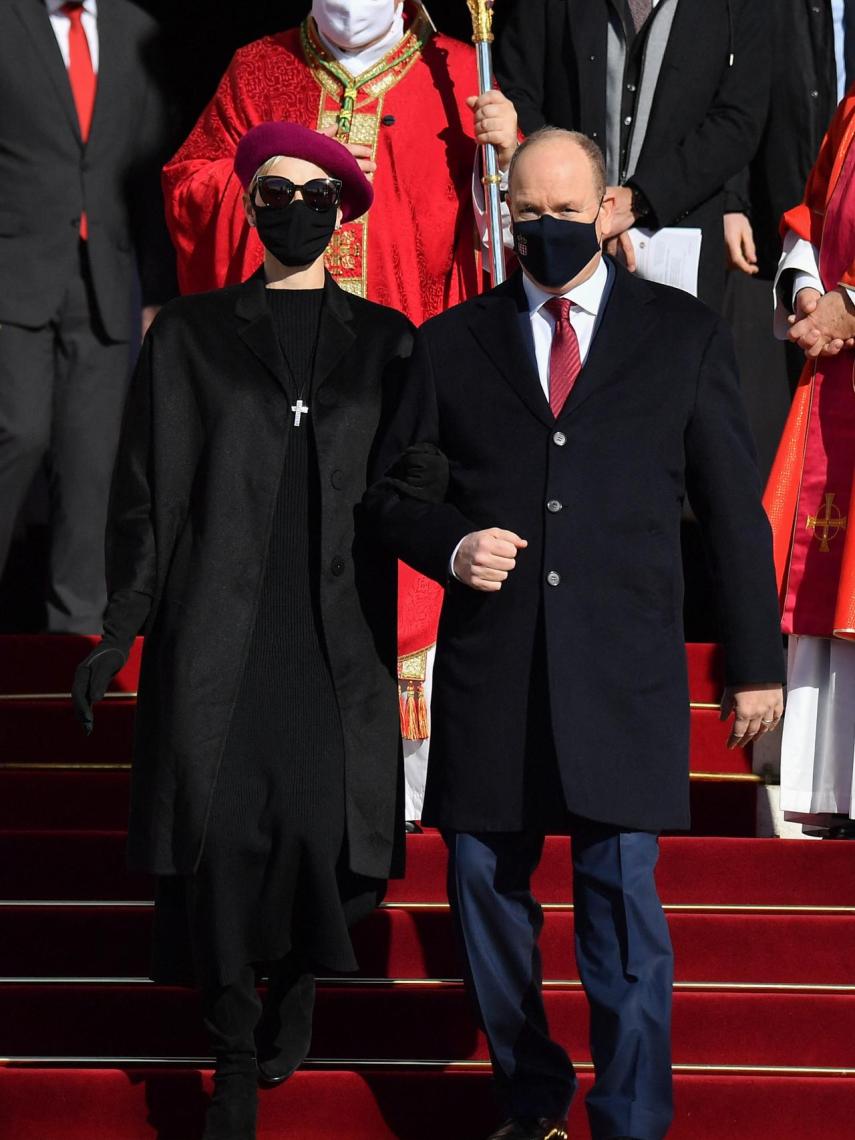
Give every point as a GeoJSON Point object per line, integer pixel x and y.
{"type": "Point", "coordinates": [553, 578]}
{"type": "Point", "coordinates": [337, 567]}
{"type": "Point", "coordinates": [553, 506]}
{"type": "Point", "coordinates": [337, 479]}
{"type": "Point", "coordinates": [559, 439]}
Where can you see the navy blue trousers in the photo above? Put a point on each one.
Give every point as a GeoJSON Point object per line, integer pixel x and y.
{"type": "Point", "coordinates": [625, 961]}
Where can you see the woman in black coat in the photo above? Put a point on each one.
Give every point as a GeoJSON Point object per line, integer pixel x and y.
{"type": "Point", "coordinates": [267, 753]}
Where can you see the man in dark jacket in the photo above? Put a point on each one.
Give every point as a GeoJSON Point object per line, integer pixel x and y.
{"type": "Point", "coordinates": [575, 405]}
{"type": "Point", "coordinates": [82, 136]}
{"type": "Point", "coordinates": [673, 91]}
{"type": "Point", "coordinates": [805, 73]}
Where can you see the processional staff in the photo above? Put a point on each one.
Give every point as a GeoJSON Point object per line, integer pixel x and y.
{"type": "Point", "coordinates": [481, 12]}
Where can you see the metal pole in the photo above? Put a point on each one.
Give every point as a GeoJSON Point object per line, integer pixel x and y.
{"type": "Point", "coordinates": [482, 22]}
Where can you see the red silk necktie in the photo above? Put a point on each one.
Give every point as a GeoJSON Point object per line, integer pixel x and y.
{"type": "Point", "coordinates": [81, 75]}
{"type": "Point", "coordinates": [640, 10]}
{"type": "Point", "coordinates": [565, 361]}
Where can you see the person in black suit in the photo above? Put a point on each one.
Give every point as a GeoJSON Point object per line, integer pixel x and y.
{"type": "Point", "coordinates": [82, 136]}
{"type": "Point", "coordinates": [674, 91]}
{"type": "Point", "coordinates": [806, 77]}
{"type": "Point", "coordinates": [560, 692]}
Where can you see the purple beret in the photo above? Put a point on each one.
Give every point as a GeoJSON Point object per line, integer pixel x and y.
{"type": "Point", "coordinates": [294, 141]}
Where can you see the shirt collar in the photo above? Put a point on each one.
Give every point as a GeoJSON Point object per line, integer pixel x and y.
{"type": "Point", "coordinates": [587, 296]}
{"type": "Point", "coordinates": [53, 7]}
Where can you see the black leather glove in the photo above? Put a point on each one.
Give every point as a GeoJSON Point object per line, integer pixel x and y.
{"type": "Point", "coordinates": [92, 678]}
{"type": "Point", "coordinates": [422, 472]}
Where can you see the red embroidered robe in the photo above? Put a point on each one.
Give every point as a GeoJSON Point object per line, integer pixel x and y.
{"type": "Point", "coordinates": [810, 498]}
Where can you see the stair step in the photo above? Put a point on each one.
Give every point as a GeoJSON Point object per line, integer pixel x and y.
{"type": "Point", "coordinates": [386, 1103]}
{"type": "Point", "coordinates": [45, 732]}
{"type": "Point", "coordinates": [64, 800]}
{"type": "Point", "coordinates": [693, 872]}
{"type": "Point", "coordinates": [59, 799]}
{"type": "Point", "coordinates": [46, 663]}
{"type": "Point", "coordinates": [113, 942]}
{"type": "Point", "coordinates": [425, 1022]}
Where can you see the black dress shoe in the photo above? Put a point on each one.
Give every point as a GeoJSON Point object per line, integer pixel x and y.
{"type": "Point", "coordinates": [531, 1128]}
{"type": "Point", "coordinates": [412, 828]}
{"type": "Point", "coordinates": [841, 831]}
{"type": "Point", "coordinates": [284, 1033]}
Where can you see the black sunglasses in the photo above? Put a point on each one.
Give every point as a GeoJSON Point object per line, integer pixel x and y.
{"type": "Point", "coordinates": [320, 194]}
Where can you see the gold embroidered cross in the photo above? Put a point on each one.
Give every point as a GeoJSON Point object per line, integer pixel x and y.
{"type": "Point", "coordinates": [827, 526]}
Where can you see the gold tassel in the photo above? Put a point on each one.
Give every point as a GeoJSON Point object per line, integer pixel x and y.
{"type": "Point", "coordinates": [423, 717]}
{"type": "Point", "coordinates": [415, 716]}
{"type": "Point", "coordinates": [410, 727]}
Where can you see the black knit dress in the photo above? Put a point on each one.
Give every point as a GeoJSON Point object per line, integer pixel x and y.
{"type": "Point", "coordinates": [272, 877]}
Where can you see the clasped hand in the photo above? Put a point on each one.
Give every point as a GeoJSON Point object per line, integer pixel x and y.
{"type": "Point", "coordinates": [823, 324]}
{"type": "Point", "coordinates": [756, 710]}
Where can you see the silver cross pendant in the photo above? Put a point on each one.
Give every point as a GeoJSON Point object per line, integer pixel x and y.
{"type": "Point", "coordinates": [299, 409]}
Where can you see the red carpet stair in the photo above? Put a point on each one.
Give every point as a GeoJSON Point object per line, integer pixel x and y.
{"type": "Point", "coordinates": [764, 934]}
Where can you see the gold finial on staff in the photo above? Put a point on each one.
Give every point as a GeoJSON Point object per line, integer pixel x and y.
{"type": "Point", "coordinates": [481, 12]}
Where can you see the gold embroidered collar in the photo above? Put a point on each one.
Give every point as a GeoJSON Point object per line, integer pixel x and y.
{"type": "Point", "coordinates": [382, 77]}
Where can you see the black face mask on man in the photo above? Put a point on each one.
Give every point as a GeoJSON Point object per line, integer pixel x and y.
{"type": "Point", "coordinates": [555, 250]}
{"type": "Point", "coordinates": [296, 235]}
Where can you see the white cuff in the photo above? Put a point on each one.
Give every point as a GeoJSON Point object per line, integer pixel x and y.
{"type": "Point", "coordinates": [454, 558]}
{"type": "Point", "coordinates": [479, 205]}
{"type": "Point", "coordinates": [801, 257]}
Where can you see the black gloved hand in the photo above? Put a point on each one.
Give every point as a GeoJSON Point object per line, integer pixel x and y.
{"type": "Point", "coordinates": [422, 472]}
{"type": "Point", "coordinates": [92, 678]}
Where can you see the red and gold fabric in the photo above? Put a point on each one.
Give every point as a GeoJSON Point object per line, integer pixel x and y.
{"type": "Point", "coordinates": [810, 497]}
{"type": "Point", "coordinates": [416, 251]}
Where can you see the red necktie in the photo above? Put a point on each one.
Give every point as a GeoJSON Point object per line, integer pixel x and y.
{"type": "Point", "coordinates": [565, 361]}
{"type": "Point", "coordinates": [640, 10]}
{"type": "Point", "coordinates": [82, 77]}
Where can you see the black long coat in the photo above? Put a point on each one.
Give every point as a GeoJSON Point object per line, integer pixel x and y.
{"type": "Point", "coordinates": [207, 424]}
{"type": "Point", "coordinates": [598, 495]}
{"type": "Point", "coordinates": [707, 114]}
{"type": "Point", "coordinates": [804, 80]}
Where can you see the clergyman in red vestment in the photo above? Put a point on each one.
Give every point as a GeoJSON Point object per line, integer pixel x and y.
{"type": "Point", "coordinates": [376, 75]}
{"type": "Point", "coordinates": [810, 498]}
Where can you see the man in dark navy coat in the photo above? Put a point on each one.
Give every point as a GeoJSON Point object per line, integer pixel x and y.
{"type": "Point", "coordinates": [575, 406]}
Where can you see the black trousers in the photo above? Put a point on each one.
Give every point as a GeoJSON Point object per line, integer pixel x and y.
{"type": "Point", "coordinates": [62, 390]}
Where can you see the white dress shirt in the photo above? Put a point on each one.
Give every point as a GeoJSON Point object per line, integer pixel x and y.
{"type": "Point", "coordinates": [61, 24]}
{"type": "Point", "coordinates": [586, 301]}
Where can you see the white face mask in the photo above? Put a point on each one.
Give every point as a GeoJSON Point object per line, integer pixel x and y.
{"type": "Point", "coordinates": [353, 24]}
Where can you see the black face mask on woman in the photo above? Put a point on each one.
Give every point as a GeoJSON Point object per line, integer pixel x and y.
{"type": "Point", "coordinates": [295, 235]}
{"type": "Point", "coordinates": [555, 250]}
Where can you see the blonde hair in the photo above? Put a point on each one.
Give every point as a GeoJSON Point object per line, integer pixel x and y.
{"type": "Point", "coordinates": [265, 168]}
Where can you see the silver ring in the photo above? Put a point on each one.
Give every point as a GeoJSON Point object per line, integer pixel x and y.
{"type": "Point", "coordinates": [770, 721]}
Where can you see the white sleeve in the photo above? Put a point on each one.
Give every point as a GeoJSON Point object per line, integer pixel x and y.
{"type": "Point", "coordinates": [802, 258]}
{"type": "Point", "coordinates": [480, 207]}
{"type": "Point", "coordinates": [453, 559]}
